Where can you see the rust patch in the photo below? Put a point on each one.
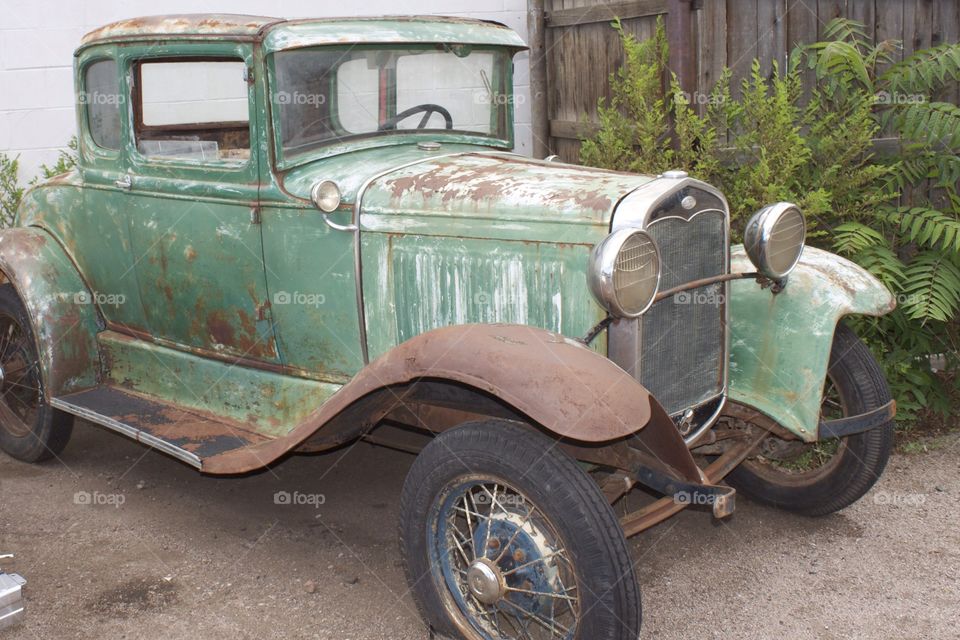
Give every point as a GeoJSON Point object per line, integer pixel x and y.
{"type": "Point", "coordinates": [483, 179]}
{"type": "Point", "coordinates": [220, 330]}
{"type": "Point", "coordinates": [190, 254]}
{"type": "Point", "coordinates": [167, 290]}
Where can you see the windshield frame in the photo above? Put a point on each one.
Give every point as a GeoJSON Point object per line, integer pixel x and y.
{"type": "Point", "coordinates": [336, 146]}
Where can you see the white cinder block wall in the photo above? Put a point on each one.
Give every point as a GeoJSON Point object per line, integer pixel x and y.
{"type": "Point", "coordinates": [38, 37]}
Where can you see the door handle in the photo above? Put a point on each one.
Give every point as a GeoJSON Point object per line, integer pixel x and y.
{"type": "Point", "coordinates": [125, 183]}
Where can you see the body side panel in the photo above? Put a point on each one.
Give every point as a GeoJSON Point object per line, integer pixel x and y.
{"type": "Point", "coordinates": [267, 402]}
{"type": "Point", "coordinates": [416, 283]}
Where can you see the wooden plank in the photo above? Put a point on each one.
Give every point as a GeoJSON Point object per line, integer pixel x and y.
{"type": "Point", "coordinates": [917, 26]}
{"type": "Point", "coordinates": [947, 21]}
{"type": "Point", "coordinates": [889, 23]}
{"type": "Point", "coordinates": [572, 129]}
{"type": "Point", "coordinates": [711, 45]}
{"type": "Point", "coordinates": [605, 12]}
{"type": "Point", "coordinates": [827, 10]}
{"type": "Point", "coordinates": [771, 34]}
{"type": "Point", "coordinates": [568, 150]}
{"type": "Point", "coordinates": [679, 27]}
{"type": "Point", "coordinates": [803, 28]}
{"type": "Point", "coordinates": [741, 40]}
{"type": "Point", "coordinates": [864, 11]}
{"type": "Point", "coordinates": [536, 37]}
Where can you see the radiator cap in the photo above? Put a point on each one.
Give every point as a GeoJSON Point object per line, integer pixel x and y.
{"type": "Point", "coordinates": [675, 174]}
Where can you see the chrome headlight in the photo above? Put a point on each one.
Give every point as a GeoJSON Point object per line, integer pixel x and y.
{"type": "Point", "coordinates": [624, 272]}
{"type": "Point", "coordinates": [774, 239]}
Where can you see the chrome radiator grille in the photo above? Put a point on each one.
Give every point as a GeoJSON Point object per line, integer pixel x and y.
{"type": "Point", "coordinates": [682, 340]}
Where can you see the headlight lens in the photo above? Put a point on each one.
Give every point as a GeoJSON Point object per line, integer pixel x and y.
{"type": "Point", "coordinates": [774, 239]}
{"type": "Point", "coordinates": [326, 196]}
{"type": "Point", "coordinates": [624, 273]}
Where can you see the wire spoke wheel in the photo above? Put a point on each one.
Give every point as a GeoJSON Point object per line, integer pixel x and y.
{"type": "Point", "coordinates": [20, 389]}
{"type": "Point", "coordinates": [504, 536]}
{"type": "Point", "coordinates": [504, 563]}
{"type": "Point", "coordinates": [795, 462]}
{"type": "Point", "coordinates": [30, 429]}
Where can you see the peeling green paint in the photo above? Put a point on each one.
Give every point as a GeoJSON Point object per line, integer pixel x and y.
{"type": "Point", "coordinates": [780, 344]}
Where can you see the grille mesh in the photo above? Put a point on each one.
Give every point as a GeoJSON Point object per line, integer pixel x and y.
{"type": "Point", "coordinates": [682, 338]}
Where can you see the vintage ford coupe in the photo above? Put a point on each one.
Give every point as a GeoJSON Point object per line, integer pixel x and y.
{"type": "Point", "coordinates": [285, 236]}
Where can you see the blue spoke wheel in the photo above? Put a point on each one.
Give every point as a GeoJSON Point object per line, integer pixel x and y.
{"type": "Point", "coordinates": [504, 536]}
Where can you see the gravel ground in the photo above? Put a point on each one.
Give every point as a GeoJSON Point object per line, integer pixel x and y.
{"type": "Point", "coordinates": [121, 542]}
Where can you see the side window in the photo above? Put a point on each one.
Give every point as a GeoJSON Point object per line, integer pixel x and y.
{"type": "Point", "coordinates": [102, 98]}
{"type": "Point", "coordinates": [193, 110]}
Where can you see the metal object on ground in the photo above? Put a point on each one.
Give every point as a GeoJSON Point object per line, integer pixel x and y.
{"type": "Point", "coordinates": [11, 599]}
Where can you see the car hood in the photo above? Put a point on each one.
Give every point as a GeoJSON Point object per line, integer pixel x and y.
{"type": "Point", "coordinates": [470, 183]}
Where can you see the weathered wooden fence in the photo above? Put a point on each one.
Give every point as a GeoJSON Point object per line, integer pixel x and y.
{"type": "Point", "coordinates": [574, 48]}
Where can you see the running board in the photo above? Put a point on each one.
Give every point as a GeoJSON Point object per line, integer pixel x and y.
{"type": "Point", "coordinates": [187, 435]}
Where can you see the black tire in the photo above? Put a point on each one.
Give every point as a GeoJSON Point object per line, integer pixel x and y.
{"type": "Point", "coordinates": [495, 451]}
{"type": "Point", "coordinates": [30, 429]}
{"type": "Point", "coordinates": [860, 459]}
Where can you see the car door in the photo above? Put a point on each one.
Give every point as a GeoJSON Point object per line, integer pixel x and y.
{"type": "Point", "coordinates": [97, 233]}
{"type": "Point", "coordinates": [193, 214]}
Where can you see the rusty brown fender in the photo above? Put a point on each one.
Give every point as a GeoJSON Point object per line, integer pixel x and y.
{"type": "Point", "coordinates": [61, 309]}
{"type": "Point", "coordinates": [558, 383]}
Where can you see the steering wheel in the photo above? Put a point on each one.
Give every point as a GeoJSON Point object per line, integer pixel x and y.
{"type": "Point", "coordinates": [428, 109]}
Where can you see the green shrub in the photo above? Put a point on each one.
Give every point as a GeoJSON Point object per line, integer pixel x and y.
{"type": "Point", "coordinates": [11, 191]}
{"type": "Point", "coordinates": [773, 143]}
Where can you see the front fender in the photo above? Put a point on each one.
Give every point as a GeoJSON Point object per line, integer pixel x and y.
{"type": "Point", "coordinates": [780, 344]}
{"type": "Point", "coordinates": [557, 382]}
{"type": "Point", "coordinates": [61, 310]}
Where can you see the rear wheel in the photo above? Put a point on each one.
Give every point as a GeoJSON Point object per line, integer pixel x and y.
{"type": "Point", "coordinates": [30, 429]}
{"type": "Point", "coordinates": [504, 536]}
{"type": "Point", "coordinates": [822, 477]}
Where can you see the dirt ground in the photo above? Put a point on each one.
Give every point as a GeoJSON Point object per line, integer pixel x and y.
{"type": "Point", "coordinates": [119, 542]}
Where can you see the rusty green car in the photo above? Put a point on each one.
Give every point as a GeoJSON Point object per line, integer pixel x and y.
{"type": "Point", "coordinates": [283, 237]}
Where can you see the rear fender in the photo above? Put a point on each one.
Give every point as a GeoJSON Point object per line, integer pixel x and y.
{"type": "Point", "coordinates": [64, 319]}
{"type": "Point", "coordinates": [780, 344]}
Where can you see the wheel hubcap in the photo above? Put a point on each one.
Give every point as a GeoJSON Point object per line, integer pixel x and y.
{"type": "Point", "coordinates": [486, 583]}
{"type": "Point", "coordinates": [504, 565]}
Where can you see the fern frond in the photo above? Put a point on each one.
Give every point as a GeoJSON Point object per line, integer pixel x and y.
{"type": "Point", "coordinates": [853, 238]}
{"type": "Point", "coordinates": [935, 124]}
{"type": "Point", "coordinates": [884, 264]}
{"type": "Point", "coordinates": [928, 227]}
{"type": "Point", "coordinates": [924, 72]}
{"type": "Point", "coordinates": [931, 289]}
{"type": "Point", "coordinates": [838, 59]}
{"type": "Point", "coordinates": [845, 30]}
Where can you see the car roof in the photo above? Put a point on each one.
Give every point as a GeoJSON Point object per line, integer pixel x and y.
{"type": "Point", "coordinates": [183, 24]}
{"type": "Point", "coordinates": [278, 33]}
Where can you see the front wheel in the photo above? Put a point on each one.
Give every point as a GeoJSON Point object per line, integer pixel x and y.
{"type": "Point", "coordinates": [826, 476]}
{"type": "Point", "coordinates": [504, 536]}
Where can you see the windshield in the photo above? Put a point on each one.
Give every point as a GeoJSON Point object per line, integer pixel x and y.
{"type": "Point", "coordinates": [328, 94]}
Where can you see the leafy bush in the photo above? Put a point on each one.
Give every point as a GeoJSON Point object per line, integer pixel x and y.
{"type": "Point", "coordinates": [11, 191]}
{"type": "Point", "coordinates": [774, 143]}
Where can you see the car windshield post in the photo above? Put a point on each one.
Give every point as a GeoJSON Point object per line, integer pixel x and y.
{"type": "Point", "coordinates": [325, 95]}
